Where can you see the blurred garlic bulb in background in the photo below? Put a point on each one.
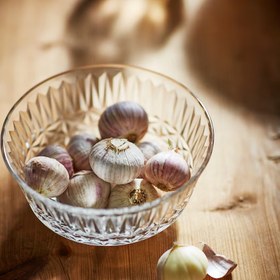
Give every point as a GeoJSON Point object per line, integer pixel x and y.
{"type": "Point", "coordinates": [115, 30]}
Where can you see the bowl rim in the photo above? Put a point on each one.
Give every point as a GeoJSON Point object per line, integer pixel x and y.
{"type": "Point", "coordinates": [112, 211]}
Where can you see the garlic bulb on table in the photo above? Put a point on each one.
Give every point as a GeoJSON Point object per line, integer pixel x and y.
{"type": "Point", "coordinates": [182, 263]}
{"type": "Point", "coordinates": [46, 175]}
{"type": "Point", "coordinates": [167, 170]}
{"type": "Point", "coordinates": [79, 148]}
{"type": "Point", "coordinates": [116, 161]}
{"type": "Point", "coordinates": [86, 190]}
{"type": "Point", "coordinates": [134, 193]}
{"type": "Point", "coordinates": [60, 154]}
{"type": "Point", "coordinates": [124, 119]}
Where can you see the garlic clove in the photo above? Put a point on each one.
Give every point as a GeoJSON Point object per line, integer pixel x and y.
{"type": "Point", "coordinates": [60, 154]}
{"type": "Point", "coordinates": [182, 263]}
{"type": "Point", "coordinates": [167, 170]}
{"type": "Point", "coordinates": [86, 190]}
{"type": "Point", "coordinates": [116, 161]}
{"type": "Point", "coordinates": [46, 175]}
{"type": "Point", "coordinates": [79, 148]}
{"type": "Point", "coordinates": [124, 119]}
{"type": "Point", "coordinates": [161, 264]}
{"type": "Point", "coordinates": [218, 265]}
{"type": "Point", "coordinates": [134, 193]}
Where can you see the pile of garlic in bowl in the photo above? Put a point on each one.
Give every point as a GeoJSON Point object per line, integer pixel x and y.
{"type": "Point", "coordinates": [98, 177]}
{"type": "Point", "coordinates": [115, 171]}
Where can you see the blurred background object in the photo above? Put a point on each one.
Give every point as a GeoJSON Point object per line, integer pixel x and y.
{"type": "Point", "coordinates": [234, 48]}
{"type": "Point", "coordinates": [106, 31]}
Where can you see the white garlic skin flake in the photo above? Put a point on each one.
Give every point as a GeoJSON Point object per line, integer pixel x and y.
{"type": "Point", "coordinates": [116, 161]}
{"type": "Point", "coordinates": [86, 190]}
{"type": "Point", "coordinates": [124, 119]}
{"type": "Point", "coordinates": [79, 148]}
{"type": "Point", "coordinates": [134, 193]}
{"type": "Point", "coordinates": [46, 175]}
{"type": "Point", "coordinates": [182, 263]}
{"type": "Point", "coordinates": [167, 170]}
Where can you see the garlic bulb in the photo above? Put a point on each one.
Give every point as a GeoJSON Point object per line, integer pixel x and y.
{"type": "Point", "coordinates": [46, 175]}
{"type": "Point", "coordinates": [134, 193]}
{"type": "Point", "coordinates": [148, 149]}
{"type": "Point", "coordinates": [167, 170]}
{"type": "Point", "coordinates": [79, 148]}
{"type": "Point", "coordinates": [60, 154]}
{"type": "Point", "coordinates": [116, 161]}
{"type": "Point", "coordinates": [124, 119]}
{"type": "Point", "coordinates": [182, 263]}
{"type": "Point", "coordinates": [86, 190]}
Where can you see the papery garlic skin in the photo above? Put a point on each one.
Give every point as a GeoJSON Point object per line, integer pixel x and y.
{"type": "Point", "coordinates": [124, 119]}
{"type": "Point", "coordinates": [134, 193]}
{"type": "Point", "coordinates": [219, 266]}
{"type": "Point", "coordinates": [79, 148]}
{"type": "Point", "coordinates": [60, 154]}
{"type": "Point", "coordinates": [182, 263]}
{"type": "Point", "coordinates": [116, 161]}
{"type": "Point", "coordinates": [167, 170]}
{"type": "Point", "coordinates": [46, 175]}
{"type": "Point", "coordinates": [86, 190]}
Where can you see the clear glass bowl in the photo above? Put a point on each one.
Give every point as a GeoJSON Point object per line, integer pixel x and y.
{"type": "Point", "coordinates": [72, 101]}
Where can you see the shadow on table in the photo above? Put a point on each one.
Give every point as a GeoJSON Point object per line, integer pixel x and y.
{"type": "Point", "coordinates": [228, 277]}
{"type": "Point", "coordinates": [32, 250]}
{"type": "Point", "coordinates": [111, 31]}
{"type": "Point", "coordinates": [234, 48]}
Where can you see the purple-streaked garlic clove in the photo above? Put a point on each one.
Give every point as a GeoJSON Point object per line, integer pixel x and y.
{"type": "Point", "coordinates": [86, 190]}
{"type": "Point", "coordinates": [167, 170]}
{"type": "Point", "coordinates": [124, 119]}
{"type": "Point", "coordinates": [79, 148]}
{"type": "Point", "coordinates": [134, 193]}
{"type": "Point", "coordinates": [46, 175]}
{"type": "Point", "coordinates": [218, 265]}
{"type": "Point", "coordinates": [116, 161]}
{"type": "Point", "coordinates": [60, 154]}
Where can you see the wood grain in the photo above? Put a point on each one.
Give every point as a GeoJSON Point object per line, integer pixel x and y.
{"type": "Point", "coordinates": [235, 206]}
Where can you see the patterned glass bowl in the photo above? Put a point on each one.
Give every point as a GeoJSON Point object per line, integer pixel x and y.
{"type": "Point", "coordinates": [72, 101]}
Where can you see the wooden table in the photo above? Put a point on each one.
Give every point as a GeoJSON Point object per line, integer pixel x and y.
{"type": "Point", "coordinates": [227, 53]}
